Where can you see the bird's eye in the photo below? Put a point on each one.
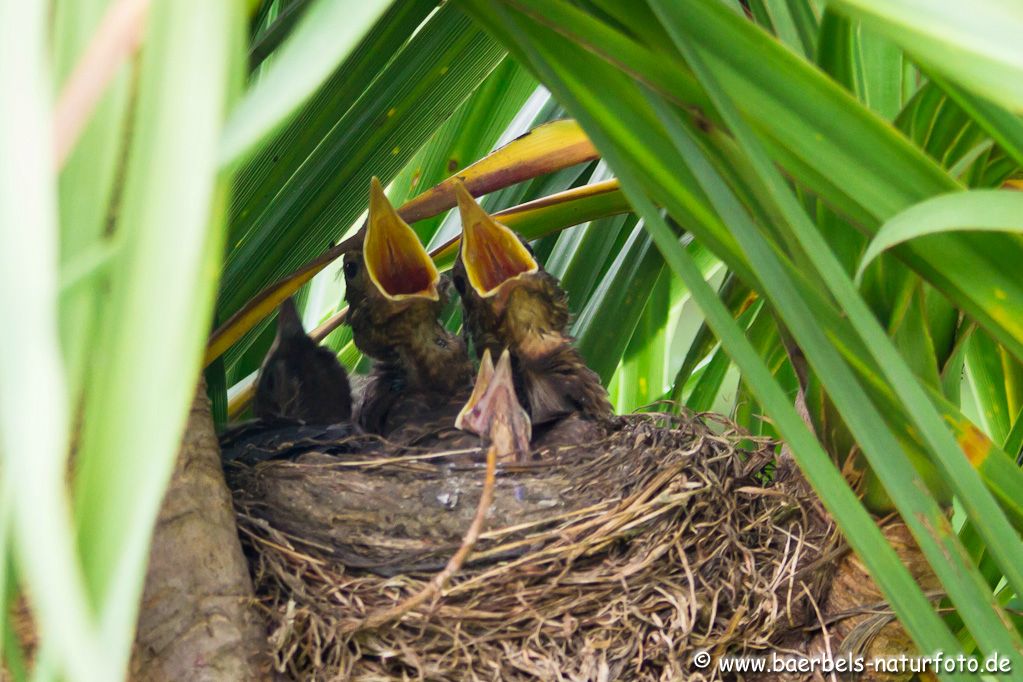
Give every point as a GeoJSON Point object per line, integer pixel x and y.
{"type": "Point", "coordinates": [351, 269]}
{"type": "Point", "coordinates": [460, 285]}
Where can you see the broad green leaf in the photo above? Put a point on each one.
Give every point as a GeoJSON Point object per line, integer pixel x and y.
{"type": "Point", "coordinates": [582, 255]}
{"type": "Point", "coordinates": [35, 414]}
{"type": "Point", "coordinates": [640, 373]}
{"type": "Point", "coordinates": [975, 210]}
{"type": "Point", "coordinates": [737, 297]}
{"type": "Point", "coordinates": [996, 380]}
{"type": "Point", "coordinates": [618, 302]}
{"type": "Point", "coordinates": [704, 393]}
{"type": "Point", "coordinates": [838, 52]}
{"type": "Point", "coordinates": [282, 154]}
{"type": "Point", "coordinates": [171, 218]}
{"type": "Point", "coordinates": [882, 70]}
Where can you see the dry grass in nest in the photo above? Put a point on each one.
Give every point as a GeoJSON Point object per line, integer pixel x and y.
{"type": "Point", "coordinates": [615, 560]}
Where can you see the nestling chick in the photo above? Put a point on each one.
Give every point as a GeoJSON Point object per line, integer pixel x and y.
{"type": "Point", "coordinates": [511, 302]}
{"type": "Point", "coordinates": [299, 379]}
{"type": "Point", "coordinates": [303, 399]}
{"type": "Point", "coordinates": [493, 411]}
{"type": "Point", "coordinates": [422, 372]}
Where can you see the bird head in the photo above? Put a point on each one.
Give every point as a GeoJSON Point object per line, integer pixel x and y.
{"type": "Point", "coordinates": [509, 300]}
{"type": "Point", "coordinates": [493, 411]}
{"type": "Point", "coordinates": [393, 288]}
{"type": "Point", "coordinates": [299, 379]}
{"type": "Point", "coordinates": [395, 296]}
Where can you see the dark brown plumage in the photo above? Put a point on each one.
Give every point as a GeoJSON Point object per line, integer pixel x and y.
{"type": "Point", "coordinates": [422, 373]}
{"type": "Point", "coordinates": [511, 302]}
{"type": "Point", "coordinates": [302, 401]}
{"type": "Point", "coordinates": [299, 379]}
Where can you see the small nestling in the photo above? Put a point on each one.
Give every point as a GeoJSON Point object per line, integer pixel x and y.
{"type": "Point", "coordinates": [303, 399]}
{"type": "Point", "coordinates": [494, 413]}
{"type": "Point", "coordinates": [511, 302]}
{"type": "Point", "coordinates": [422, 372]}
{"type": "Point", "coordinates": [299, 379]}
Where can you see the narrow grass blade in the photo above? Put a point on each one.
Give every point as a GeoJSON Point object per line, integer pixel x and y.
{"type": "Point", "coordinates": [325, 35]}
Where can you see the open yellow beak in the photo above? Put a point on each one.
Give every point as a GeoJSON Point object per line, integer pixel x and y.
{"type": "Point", "coordinates": [493, 410]}
{"type": "Point", "coordinates": [396, 262]}
{"type": "Point", "coordinates": [492, 253]}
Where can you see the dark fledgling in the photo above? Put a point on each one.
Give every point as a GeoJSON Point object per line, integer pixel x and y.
{"type": "Point", "coordinates": [422, 373]}
{"type": "Point", "coordinates": [511, 302]}
{"type": "Point", "coordinates": [303, 399]}
{"type": "Point", "coordinates": [299, 379]}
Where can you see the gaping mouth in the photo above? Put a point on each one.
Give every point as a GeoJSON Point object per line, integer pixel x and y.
{"type": "Point", "coordinates": [396, 262]}
{"type": "Point", "coordinates": [492, 253]}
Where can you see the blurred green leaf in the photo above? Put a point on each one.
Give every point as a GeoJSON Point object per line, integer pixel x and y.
{"type": "Point", "coordinates": [976, 43]}
{"type": "Point", "coordinates": [87, 181]}
{"type": "Point", "coordinates": [35, 416]}
{"type": "Point", "coordinates": [171, 217]}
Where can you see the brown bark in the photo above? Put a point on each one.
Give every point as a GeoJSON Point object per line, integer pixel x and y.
{"type": "Point", "coordinates": [869, 633]}
{"type": "Point", "coordinates": [198, 619]}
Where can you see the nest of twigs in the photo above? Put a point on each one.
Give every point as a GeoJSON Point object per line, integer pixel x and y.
{"type": "Point", "coordinates": [610, 560]}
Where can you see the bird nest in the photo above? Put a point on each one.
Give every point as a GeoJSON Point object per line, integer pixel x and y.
{"type": "Point", "coordinates": [611, 560]}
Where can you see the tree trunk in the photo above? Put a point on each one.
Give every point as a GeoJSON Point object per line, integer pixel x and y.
{"type": "Point", "coordinates": [198, 619]}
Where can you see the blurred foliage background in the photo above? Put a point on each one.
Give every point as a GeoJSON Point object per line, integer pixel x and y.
{"type": "Point", "coordinates": [799, 213]}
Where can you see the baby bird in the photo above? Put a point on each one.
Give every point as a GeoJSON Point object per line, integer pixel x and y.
{"type": "Point", "coordinates": [299, 379]}
{"type": "Point", "coordinates": [422, 373]}
{"type": "Point", "coordinates": [303, 399]}
{"type": "Point", "coordinates": [511, 302]}
{"type": "Point", "coordinates": [493, 411]}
